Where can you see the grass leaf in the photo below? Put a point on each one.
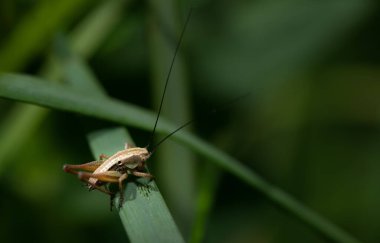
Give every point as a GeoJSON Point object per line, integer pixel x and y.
{"type": "Point", "coordinates": [16, 51]}
{"type": "Point", "coordinates": [144, 208]}
{"type": "Point", "coordinates": [144, 213]}
{"type": "Point", "coordinates": [37, 91]}
{"type": "Point", "coordinates": [163, 22]}
{"type": "Point", "coordinates": [23, 119]}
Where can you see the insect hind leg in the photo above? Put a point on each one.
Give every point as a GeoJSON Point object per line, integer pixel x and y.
{"type": "Point", "coordinates": [75, 169]}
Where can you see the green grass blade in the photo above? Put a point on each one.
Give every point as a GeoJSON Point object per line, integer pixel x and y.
{"type": "Point", "coordinates": [163, 20]}
{"type": "Point", "coordinates": [210, 176]}
{"type": "Point", "coordinates": [144, 213]}
{"type": "Point", "coordinates": [92, 31]}
{"type": "Point", "coordinates": [34, 31]}
{"type": "Point", "coordinates": [34, 90]}
{"type": "Point", "coordinates": [143, 209]}
{"type": "Point", "coordinates": [16, 128]}
{"type": "Point", "coordinates": [75, 72]}
{"type": "Point", "coordinates": [44, 93]}
{"type": "Point", "coordinates": [15, 131]}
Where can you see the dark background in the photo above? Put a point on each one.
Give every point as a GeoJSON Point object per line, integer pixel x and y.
{"type": "Point", "coordinates": [310, 124]}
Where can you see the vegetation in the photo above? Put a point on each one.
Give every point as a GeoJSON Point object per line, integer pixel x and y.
{"type": "Point", "coordinates": [296, 160]}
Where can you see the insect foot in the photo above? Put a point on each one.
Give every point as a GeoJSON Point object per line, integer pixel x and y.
{"type": "Point", "coordinates": [100, 174]}
{"type": "Point", "coordinates": [116, 168]}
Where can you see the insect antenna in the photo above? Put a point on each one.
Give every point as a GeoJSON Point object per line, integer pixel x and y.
{"type": "Point", "coordinates": [211, 112]}
{"type": "Point", "coordinates": [169, 73]}
{"type": "Point", "coordinates": [170, 134]}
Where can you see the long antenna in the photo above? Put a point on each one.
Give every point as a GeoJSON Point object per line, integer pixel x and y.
{"type": "Point", "coordinates": [212, 111]}
{"type": "Point", "coordinates": [170, 71]}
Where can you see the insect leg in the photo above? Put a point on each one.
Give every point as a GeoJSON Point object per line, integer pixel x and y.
{"type": "Point", "coordinates": [103, 157]}
{"type": "Point", "coordinates": [127, 146]}
{"type": "Point", "coordinates": [142, 174]}
{"type": "Point", "coordinates": [112, 197]}
{"type": "Point", "coordinates": [108, 176]}
{"type": "Point", "coordinates": [94, 186]}
{"type": "Point", "coordinates": [121, 188]}
{"type": "Point", "coordinates": [74, 169]}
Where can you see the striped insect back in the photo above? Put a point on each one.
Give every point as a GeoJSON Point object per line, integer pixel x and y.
{"type": "Point", "coordinates": [129, 161]}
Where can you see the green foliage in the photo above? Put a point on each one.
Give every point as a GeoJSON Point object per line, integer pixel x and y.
{"type": "Point", "coordinates": [310, 126]}
{"type": "Point", "coordinates": [144, 209]}
{"type": "Point", "coordinates": [47, 94]}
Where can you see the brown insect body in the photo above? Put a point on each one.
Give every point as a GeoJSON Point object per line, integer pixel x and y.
{"type": "Point", "coordinates": [130, 161]}
{"type": "Point", "coordinates": [129, 158]}
{"type": "Point", "coordinates": [113, 169]}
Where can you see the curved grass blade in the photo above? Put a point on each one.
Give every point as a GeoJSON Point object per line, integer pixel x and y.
{"type": "Point", "coordinates": [210, 176]}
{"type": "Point", "coordinates": [162, 41]}
{"type": "Point", "coordinates": [144, 213]}
{"type": "Point", "coordinates": [22, 121]}
{"type": "Point", "coordinates": [33, 32]}
{"type": "Point", "coordinates": [36, 91]}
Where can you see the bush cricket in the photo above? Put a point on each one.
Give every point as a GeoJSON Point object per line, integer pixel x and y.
{"type": "Point", "coordinates": [129, 161]}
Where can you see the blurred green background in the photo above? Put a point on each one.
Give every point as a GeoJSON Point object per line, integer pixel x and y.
{"type": "Point", "coordinates": [310, 124]}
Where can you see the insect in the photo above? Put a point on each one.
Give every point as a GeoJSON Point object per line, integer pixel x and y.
{"type": "Point", "coordinates": [129, 161]}
{"type": "Point", "coordinates": [113, 169]}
